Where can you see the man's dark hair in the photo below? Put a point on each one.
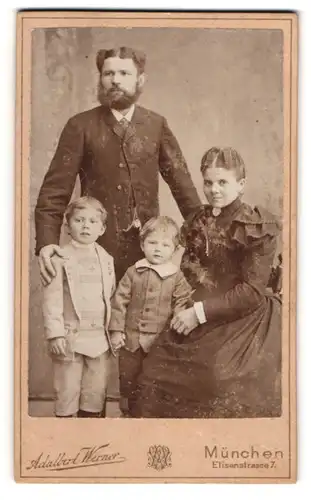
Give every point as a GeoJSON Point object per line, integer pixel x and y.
{"type": "Point", "coordinates": [137, 57]}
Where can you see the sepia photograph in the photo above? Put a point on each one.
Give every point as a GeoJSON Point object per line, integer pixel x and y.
{"type": "Point", "coordinates": [156, 244]}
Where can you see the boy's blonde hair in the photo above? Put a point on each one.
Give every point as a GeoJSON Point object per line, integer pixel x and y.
{"type": "Point", "coordinates": [84, 202]}
{"type": "Point", "coordinates": [162, 222]}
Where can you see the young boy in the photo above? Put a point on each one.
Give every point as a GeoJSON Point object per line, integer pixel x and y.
{"type": "Point", "coordinates": [76, 310]}
{"type": "Point", "coordinates": [147, 297]}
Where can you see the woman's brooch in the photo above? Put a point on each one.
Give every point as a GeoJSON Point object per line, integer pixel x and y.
{"type": "Point", "coordinates": [216, 211]}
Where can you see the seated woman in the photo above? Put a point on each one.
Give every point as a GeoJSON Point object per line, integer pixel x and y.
{"type": "Point", "coordinates": [221, 358]}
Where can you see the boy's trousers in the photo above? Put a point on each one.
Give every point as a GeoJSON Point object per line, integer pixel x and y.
{"type": "Point", "coordinates": [80, 383]}
{"type": "Point", "coordinates": [130, 366]}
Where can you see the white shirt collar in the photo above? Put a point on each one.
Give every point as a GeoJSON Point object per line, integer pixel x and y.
{"type": "Point", "coordinates": [129, 115]}
{"type": "Point", "coordinates": [163, 270]}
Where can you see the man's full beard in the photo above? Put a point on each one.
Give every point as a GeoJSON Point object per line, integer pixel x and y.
{"type": "Point", "coordinates": [117, 98]}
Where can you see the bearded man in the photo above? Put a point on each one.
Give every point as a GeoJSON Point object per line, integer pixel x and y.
{"type": "Point", "coordinates": [118, 150]}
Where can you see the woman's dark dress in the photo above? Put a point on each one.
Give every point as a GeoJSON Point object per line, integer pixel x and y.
{"type": "Point", "coordinates": [230, 366]}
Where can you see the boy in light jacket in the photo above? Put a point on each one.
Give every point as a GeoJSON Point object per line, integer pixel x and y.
{"type": "Point", "coordinates": [76, 311]}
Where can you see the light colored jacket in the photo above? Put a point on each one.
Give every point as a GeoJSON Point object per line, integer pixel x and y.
{"type": "Point", "coordinates": [61, 303]}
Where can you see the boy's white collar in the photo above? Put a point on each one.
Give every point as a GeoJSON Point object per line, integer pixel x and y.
{"type": "Point", "coordinates": [163, 270]}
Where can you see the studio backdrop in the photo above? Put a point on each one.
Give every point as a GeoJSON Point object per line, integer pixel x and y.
{"type": "Point", "coordinates": [216, 87]}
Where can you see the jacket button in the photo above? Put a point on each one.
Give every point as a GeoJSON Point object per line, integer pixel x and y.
{"type": "Point", "coordinates": [121, 165]}
{"type": "Point", "coordinates": [147, 309]}
{"type": "Point", "coordinates": [119, 187]}
{"type": "Point", "coordinates": [142, 325]}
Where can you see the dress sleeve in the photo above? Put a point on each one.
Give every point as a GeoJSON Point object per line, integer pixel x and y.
{"type": "Point", "coordinates": [182, 294]}
{"type": "Point", "coordinates": [260, 243]}
{"type": "Point", "coordinates": [191, 267]}
{"type": "Point", "coordinates": [193, 238]}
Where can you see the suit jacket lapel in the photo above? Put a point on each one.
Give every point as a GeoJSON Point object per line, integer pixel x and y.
{"type": "Point", "coordinates": [70, 269]}
{"type": "Point", "coordinates": [134, 125]}
{"type": "Point", "coordinates": [117, 129]}
{"type": "Point", "coordinates": [111, 122]}
{"type": "Point", "coordinates": [106, 276]}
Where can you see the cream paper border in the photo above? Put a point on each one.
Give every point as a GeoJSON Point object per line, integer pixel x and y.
{"type": "Point", "coordinates": [186, 439]}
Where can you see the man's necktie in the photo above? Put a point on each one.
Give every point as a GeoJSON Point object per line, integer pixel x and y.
{"type": "Point", "coordinates": [124, 123]}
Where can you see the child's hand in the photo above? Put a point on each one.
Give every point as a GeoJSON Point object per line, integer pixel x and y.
{"type": "Point", "coordinates": [117, 340]}
{"type": "Point", "coordinates": [58, 346]}
{"type": "Point", "coordinates": [185, 321]}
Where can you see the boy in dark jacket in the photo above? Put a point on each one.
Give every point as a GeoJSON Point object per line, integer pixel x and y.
{"type": "Point", "coordinates": [147, 297]}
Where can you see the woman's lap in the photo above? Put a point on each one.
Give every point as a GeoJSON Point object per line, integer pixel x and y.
{"type": "Point", "coordinates": [230, 372]}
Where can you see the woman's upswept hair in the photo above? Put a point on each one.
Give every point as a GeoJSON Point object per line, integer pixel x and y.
{"type": "Point", "coordinates": [227, 158]}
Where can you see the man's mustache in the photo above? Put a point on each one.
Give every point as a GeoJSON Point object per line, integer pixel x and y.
{"type": "Point", "coordinates": [116, 89]}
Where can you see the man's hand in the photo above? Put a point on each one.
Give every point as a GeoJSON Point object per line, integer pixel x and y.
{"type": "Point", "coordinates": [117, 340]}
{"type": "Point", "coordinates": [58, 346]}
{"type": "Point", "coordinates": [185, 321]}
{"type": "Point", "coordinates": [47, 270]}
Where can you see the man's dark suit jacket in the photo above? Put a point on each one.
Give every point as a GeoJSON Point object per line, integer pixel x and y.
{"type": "Point", "coordinates": [120, 171]}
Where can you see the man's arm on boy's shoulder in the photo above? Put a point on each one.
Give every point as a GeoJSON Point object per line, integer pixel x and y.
{"type": "Point", "coordinates": [120, 301]}
{"type": "Point", "coordinates": [181, 294]}
{"type": "Point", "coordinates": [58, 184]}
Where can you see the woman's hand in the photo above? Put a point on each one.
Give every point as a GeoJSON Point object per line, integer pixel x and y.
{"type": "Point", "coordinates": [185, 321]}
